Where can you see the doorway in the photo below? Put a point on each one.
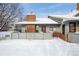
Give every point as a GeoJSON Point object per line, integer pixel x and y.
{"type": "Point", "coordinates": [63, 29]}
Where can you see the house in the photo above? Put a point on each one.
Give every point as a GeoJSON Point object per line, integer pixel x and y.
{"type": "Point", "coordinates": [69, 24]}
{"type": "Point", "coordinates": [33, 24]}
{"type": "Point", "coordinates": [34, 28]}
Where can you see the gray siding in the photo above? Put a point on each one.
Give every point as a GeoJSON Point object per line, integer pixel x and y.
{"type": "Point", "coordinates": [73, 37]}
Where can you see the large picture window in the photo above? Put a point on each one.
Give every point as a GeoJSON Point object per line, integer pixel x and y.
{"type": "Point", "coordinates": [72, 26]}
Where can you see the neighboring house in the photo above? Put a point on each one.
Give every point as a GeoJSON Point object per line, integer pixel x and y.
{"type": "Point", "coordinates": [69, 24]}
{"type": "Point", "coordinates": [34, 24]}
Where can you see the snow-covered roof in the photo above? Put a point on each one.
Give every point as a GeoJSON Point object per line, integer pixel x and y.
{"type": "Point", "coordinates": [70, 16]}
{"type": "Point", "coordinates": [39, 21]}
{"type": "Point", "coordinates": [65, 17]}
{"type": "Point", "coordinates": [45, 20]}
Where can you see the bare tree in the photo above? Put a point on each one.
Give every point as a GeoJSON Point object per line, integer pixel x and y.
{"type": "Point", "coordinates": [8, 13]}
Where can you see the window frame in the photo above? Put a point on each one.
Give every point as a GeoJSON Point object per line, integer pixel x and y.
{"type": "Point", "coordinates": [72, 26]}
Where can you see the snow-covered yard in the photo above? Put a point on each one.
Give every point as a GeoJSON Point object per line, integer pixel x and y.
{"type": "Point", "coordinates": [53, 47]}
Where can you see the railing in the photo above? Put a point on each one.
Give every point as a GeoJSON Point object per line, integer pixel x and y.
{"type": "Point", "coordinates": [58, 34]}
{"type": "Point", "coordinates": [31, 36]}
{"type": "Point", "coordinates": [28, 36]}
{"type": "Point", "coordinates": [5, 35]}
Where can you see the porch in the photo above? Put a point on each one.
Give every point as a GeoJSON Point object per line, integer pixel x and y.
{"type": "Point", "coordinates": [72, 30]}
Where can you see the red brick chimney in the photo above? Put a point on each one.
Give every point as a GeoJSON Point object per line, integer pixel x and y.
{"type": "Point", "coordinates": [30, 18]}
{"type": "Point", "coordinates": [77, 6]}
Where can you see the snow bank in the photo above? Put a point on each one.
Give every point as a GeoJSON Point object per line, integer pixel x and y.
{"type": "Point", "coordinates": [53, 47]}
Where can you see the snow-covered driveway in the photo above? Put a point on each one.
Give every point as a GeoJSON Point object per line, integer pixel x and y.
{"type": "Point", "coordinates": [53, 47]}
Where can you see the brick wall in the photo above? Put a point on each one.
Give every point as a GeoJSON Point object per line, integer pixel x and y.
{"type": "Point", "coordinates": [30, 18]}
{"type": "Point", "coordinates": [29, 27]}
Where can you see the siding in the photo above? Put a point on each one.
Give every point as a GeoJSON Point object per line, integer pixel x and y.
{"type": "Point", "coordinates": [73, 37]}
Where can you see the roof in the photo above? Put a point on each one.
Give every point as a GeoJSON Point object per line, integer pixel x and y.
{"type": "Point", "coordinates": [68, 17]}
{"type": "Point", "coordinates": [39, 21]}
{"type": "Point", "coordinates": [65, 17]}
{"type": "Point", "coordinates": [73, 13]}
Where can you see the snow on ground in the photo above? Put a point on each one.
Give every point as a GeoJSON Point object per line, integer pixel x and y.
{"type": "Point", "coordinates": [53, 47]}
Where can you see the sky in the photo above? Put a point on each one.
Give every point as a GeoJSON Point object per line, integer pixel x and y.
{"type": "Point", "coordinates": [45, 9]}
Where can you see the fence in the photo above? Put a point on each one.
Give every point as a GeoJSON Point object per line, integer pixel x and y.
{"type": "Point", "coordinates": [27, 36]}
{"type": "Point", "coordinates": [5, 35]}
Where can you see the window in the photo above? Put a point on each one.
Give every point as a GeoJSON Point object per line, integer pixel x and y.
{"type": "Point", "coordinates": [51, 28]}
{"type": "Point", "coordinates": [72, 27]}
{"type": "Point", "coordinates": [37, 28]}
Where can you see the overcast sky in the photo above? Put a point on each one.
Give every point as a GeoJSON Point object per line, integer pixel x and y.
{"type": "Point", "coordinates": [45, 9]}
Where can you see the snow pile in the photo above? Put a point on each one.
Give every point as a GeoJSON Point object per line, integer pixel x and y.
{"type": "Point", "coordinates": [53, 47]}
